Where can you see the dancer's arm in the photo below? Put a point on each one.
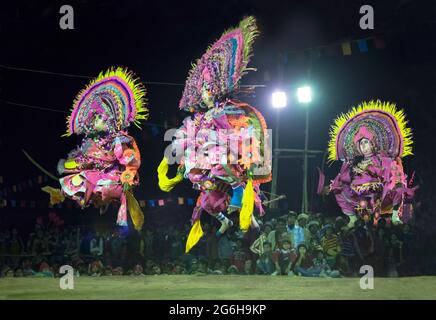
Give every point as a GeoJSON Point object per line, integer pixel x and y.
{"type": "Point", "coordinates": [128, 155]}
{"type": "Point", "coordinates": [342, 178]}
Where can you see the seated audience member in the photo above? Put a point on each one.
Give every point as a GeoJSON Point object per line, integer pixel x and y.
{"type": "Point", "coordinates": [118, 271]}
{"type": "Point", "coordinates": [320, 264]}
{"type": "Point", "coordinates": [278, 233]}
{"type": "Point", "coordinates": [283, 258]}
{"type": "Point", "coordinates": [313, 239]}
{"type": "Point", "coordinates": [108, 271]}
{"type": "Point", "coordinates": [96, 268]}
{"type": "Point", "coordinates": [265, 263]}
{"type": "Point", "coordinates": [239, 257]}
{"type": "Point", "coordinates": [138, 270]}
{"type": "Point", "coordinates": [331, 245]}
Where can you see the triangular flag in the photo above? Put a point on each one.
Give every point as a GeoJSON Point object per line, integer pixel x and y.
{"type": "Point", "coordinates": [39, 179]}
{"type": "Point", "coordinates": [332, 50]}
{"type": "Point", "coordinates": [346, 48]}
{"type": "Point", "coordinates": [190, 201]}
{"type": "Point", "coordinates": [142, 203]}
{"type": "Point", "coordinates": [379, 42]}
{"type": "Point", "coordinates": [363, 46]}
{"type": "Point", "coordinates": [152, 203]}
{"type": "Point", "coordinates": [181, 200]}
{"type": "Point", "coordinates": [161, 202]}
{"type": "Point", "coordinates": [1, 179]}
{"type": "Point", "coordinates": [13, 203]}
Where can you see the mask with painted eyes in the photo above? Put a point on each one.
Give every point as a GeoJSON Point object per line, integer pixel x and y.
{"type": "Point", "coordinates": [365, 147]}
{"type": "Point", "coordinates": [99, 123]}
{"type": "Point", "coordinates": [206, 95]}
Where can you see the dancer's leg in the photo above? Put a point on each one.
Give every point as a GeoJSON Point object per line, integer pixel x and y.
{"type": "Point", "coordinates": [225, 223]}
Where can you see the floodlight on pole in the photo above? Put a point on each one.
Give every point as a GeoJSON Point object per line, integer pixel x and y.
{"type": "Point", "coordinates": [279, 99]}
{"type": "Point", "coordinates": [304, 94]}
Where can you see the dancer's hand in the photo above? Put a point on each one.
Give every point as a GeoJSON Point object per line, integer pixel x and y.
{"type": "Point", "coordinates": [126, 187]}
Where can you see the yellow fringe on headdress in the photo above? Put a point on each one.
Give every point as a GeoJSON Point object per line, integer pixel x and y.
{"type": "Point", "coordinates": [166, 184]}
{"type": "Point", "coordinates": [194, 236]}
{"type": "Point", "coordinates": [135, 85]}
{"type": "Point", "coordinates": [247, 206]}
{"type": "Point", "coordinates": [135, 211]}
{"type": "Point", "coordinates": [56, 195]}
{"type": "Point", "coordinates": [398, 114]}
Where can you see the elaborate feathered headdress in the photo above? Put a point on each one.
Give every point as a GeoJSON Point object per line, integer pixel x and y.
{"type": "Point", "coordinates": [116, 95]}
{"type": "Point", "coordinates": [380, 122]}
{"type": "Point", "coordinates": [222, 66]}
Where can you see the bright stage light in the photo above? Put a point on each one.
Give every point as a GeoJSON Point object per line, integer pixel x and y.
{"type": "Point", "coordinates": [279, 99]}
{"type": "Point", "coordinates": [304, 94]}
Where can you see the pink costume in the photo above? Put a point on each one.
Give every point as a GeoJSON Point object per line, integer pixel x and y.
{"type": "Point", "coordinates": [105, 166]}
{"type": "Point", "coordinates": [222, 147]}
{"type": "Point", "coordinates": [375, 184]}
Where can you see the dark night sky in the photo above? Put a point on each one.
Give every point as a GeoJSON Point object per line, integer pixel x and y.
{"type": "Point", "coordinates": [159, 39]}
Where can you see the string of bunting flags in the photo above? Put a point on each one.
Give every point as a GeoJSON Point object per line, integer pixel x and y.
{"type": "Point", "coordinates": [42, 204]}
{"type": "Point", "coordinates": [345, 47]}
{"type": "Point", "coordinates": [5, 191]}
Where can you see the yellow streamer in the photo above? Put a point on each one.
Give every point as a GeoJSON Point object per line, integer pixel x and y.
{"type": "Point", "coordinates": [247, 206]}
{"type": "Point", "coordinates": [135, 211]}
{"type": "Point", "coordinates": [166, 184]}
{"type": "Point", "coordinates": [56, 195]}
{"type": "Point", "coordinates": [194, 235]}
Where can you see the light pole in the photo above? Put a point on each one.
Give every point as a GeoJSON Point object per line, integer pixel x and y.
{"type": "Point", "coordinates": [279, 101]}
{"type": "Point", "coordinates": [304, 96]}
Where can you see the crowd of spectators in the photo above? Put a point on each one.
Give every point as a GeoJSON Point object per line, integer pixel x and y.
{"type": "Point", "coordinates": [308, 245]}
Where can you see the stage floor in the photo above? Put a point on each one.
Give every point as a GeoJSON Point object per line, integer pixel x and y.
{"type": "Point", "coordinates": [217, 287]}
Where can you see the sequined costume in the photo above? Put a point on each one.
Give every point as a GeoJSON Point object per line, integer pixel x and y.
{"type": "Point", "coordinates": [104, 168]}
{"type": "Point", "coordinates": [372, 180]}
{"type": "Point", "coordinates": [223, 147]}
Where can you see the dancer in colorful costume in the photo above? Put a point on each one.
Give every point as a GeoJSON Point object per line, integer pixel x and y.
{"type": "Point", "coordinates": [371, 139]}
{"type": "Point", "coordinates": [228, 180]}
{"type": "Point", "coordinates": [104, 168]}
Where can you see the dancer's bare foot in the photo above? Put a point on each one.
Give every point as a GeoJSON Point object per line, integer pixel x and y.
{"type": "Point", "coordinates": [225, 225]}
